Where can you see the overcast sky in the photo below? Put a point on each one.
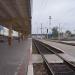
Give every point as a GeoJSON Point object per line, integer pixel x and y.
{"type": "Point", "coordinates": [61, 11]}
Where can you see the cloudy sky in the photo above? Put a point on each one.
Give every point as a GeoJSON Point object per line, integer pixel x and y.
{"type": "Point", "coordinates": [61, 11]}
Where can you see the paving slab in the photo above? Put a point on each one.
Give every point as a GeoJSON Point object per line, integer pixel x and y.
{"type": "Point", "coordinates": [36, 58]}
{"type": "Point", "coordinates": [68, 57]}
{"type": "Point", "coordinates": [51, 58]}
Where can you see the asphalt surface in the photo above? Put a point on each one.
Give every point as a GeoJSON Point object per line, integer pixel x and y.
{"type": "Point", "coordinates": [11, 58]}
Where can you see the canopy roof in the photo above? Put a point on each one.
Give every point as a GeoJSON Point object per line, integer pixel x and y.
{"type": "Point", "coordinates": [16, 13]}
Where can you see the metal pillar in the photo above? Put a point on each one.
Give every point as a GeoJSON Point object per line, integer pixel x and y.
{"type": "Point", "coordinates": [47, 33]}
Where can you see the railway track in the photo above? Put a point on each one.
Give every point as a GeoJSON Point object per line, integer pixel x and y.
{"type": "Point", "coordinates": [65, 68]}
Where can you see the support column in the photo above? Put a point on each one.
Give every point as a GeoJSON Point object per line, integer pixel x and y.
{"type": "Point", "coordinates": [22, 36]}
{"type": "Point", "coordinates": [10, 36]}
{"type": "Point", "coordinates": [19, 36]}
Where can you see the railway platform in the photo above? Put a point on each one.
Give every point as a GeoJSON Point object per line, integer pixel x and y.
{"type": "Point", "coordinates": [14, 60]}
{"type": "Point", "coordinates": [72, 43]}
{"type": "Point", "coordinates": [49, 60]}
{"type": "Point", "coordinates": [69, 42]}
{"type": "Point", "coordinates": [68, 49]}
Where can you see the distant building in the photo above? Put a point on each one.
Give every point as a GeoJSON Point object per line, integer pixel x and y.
{"type": "Point", "coordinates": [39, 36]}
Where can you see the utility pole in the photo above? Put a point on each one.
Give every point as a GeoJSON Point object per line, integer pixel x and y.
{"type": "Point", "coordinates": [50, 21]}
{"type": "Point", "coordinates": [41, 31]}
{"type": "Point", "coordinates": [59, 32]}
{"type": "Point", "coordinates": [37, 31]}
{"type": "Point", "coordinates": [47, 33]}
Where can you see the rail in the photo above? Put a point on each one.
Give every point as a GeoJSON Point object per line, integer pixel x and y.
{"type": "Point", "coordinates": [53, 50]}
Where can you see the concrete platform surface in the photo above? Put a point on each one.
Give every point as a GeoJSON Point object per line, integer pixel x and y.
{"type": "Point", "coordinates": [69, 41]}
{"type": "Point", "coordinates": [30, 70]}
{"type": "Point", "coordinates": [14, 59]}
{"type": "Point", "coordinates": [68, 57]}
{"type": "Point", "coordinates": [67, 49]}
{"type": "Point", "coordinates": [36, 58]}
{"type": "Point", "coordinates": [51, 58]}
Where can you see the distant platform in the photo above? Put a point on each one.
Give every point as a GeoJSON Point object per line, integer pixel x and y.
{"type": "Point", "coordinates": [69, 41]}
{"type": "Point", "coordinates": [67, 49]}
